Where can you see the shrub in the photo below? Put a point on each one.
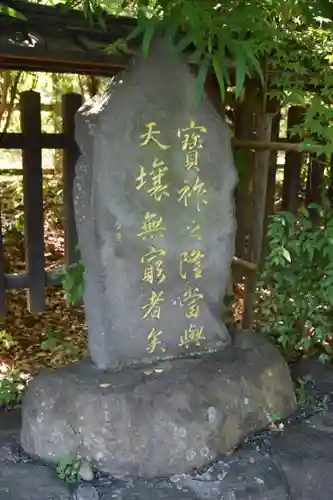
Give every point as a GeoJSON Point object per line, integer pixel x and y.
{"type": "Point", "coordinates": [296, 283]}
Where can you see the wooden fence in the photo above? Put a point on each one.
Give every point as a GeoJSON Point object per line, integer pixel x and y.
{"type": "Point", "coordinates": [257, 135]}
{"type": "Point", "coordinates": [32, 141]}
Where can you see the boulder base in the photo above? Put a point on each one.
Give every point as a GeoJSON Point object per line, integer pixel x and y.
{"type": "Point", "coordinates": [161, 419]}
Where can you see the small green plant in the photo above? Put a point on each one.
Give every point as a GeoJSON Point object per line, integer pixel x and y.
{"type": "Point", "coordinates": [275, 421]}
{"type": "Point", "coordinates": [321, 404]}
{"type": "Point", "coordinates": [6, 340]}
{"type": "Point", "coordinates": [61, 349]}
{"type": "Point", "coordinates": [68, 469]}
{"type": "Point", "coordinates": [296, 284]}
{"type": "Point", "coordinates": [303, 397]}
{"type": "Point", "coordinates": [72, 279]}
{"type": "Point", "coordinates": [307, 400]}
{"type": "Point", "coordinates": [12, 386]}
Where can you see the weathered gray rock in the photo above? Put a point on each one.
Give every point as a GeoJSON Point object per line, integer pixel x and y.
{"type": "Point", "coordinates": [155, 215]}
{"type": "Point", "coordinates": [85, 472]}
{"type": "Point", "coordinates": [174, 417]}
{"type": "Point", "coordinates": [10, 423]}
{"type": "Point", "coordinates": [247, 475]}
{"type": "Point", "coordinates": [297, 461]}
{"type": "Point", "coordinates": [161, 490]}
{"type": "Point", "coordinates": [85, 492]}
{"type": "Point", "coordinates": [305, 455]}
{"type": "Point", "coordinates": [24, 481]}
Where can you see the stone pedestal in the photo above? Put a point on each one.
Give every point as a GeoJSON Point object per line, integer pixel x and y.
{"type": "Point", "coordinates": [159, 419]}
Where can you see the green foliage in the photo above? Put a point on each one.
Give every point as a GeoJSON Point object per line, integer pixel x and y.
{"type": "Point", "coordinates": [296, 283]}
{"type": "Point", "coordinates": [9, 11]}
{"type": "Point", "coordinates": [287, 45]}
{"type": "Point", "coordinates": [275, 421]}
{"type": "Point", "coordinates": [6, 340]}
{"type": "Point", "coordinates": [321, 404]}
{"type": "Point", "coordinates": [68, 469]}
{"type": "Point", "coordinates": [12, 381]}
{"type": "Point", "coordinates": [289, 49]}
{"type": "Point", "coordinates": [215, 33]}
{"type": "Point", "coordinates": [305, 399]}
{"type": "Point", "coordinates": [274, 417]}
{"type": "Point", "coordinates": [61, 349]}
{"type": "Point", "coordinates": [73, 282]}
{"type": "Point", "coordinates": [301, 392]}
{"type": "Point", "coordinates": [12, 386]}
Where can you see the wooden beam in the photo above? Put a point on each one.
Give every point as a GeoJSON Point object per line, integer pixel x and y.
{"type": "Point", "coordinates": [251, 266]}
{"type": "Point", "coordinates": [273, 146]}
{"type": "Point", "coordinates": [36, 14]}
{"type": "Point", "coordinates": [57, 61]}
{"type": "Point", "coordinates": [20, 281]}
{"type": "Point", "coordinates": [59, 141]}
{"type": "Point", "coordinates": [19, 141]}
{"type": "Point", "coordinates": [12, 172]}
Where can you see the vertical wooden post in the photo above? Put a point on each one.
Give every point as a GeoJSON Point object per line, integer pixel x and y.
{"type": "Point", "coordinates": [70, 104]}
{"type": "Point", "coordinates": [293, 164]}
{"type": "Point", "coordinates": [33, 199]}
{"type": "Point", "coordinates": [273, 106]}
{"type": "Point", "coordinates": [315, 179]}
{"type": "Point", "coordinates": [2, 276]}
{"type": "Point", "coordinates": [245, 128]}
{"type": "Point", "coordinates": [261, 168]}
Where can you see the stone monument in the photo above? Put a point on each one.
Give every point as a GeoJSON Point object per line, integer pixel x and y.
{"type": "Point", "coordinates": [155, 216]}
{"type": "Point", "coordinates": [165, 390]}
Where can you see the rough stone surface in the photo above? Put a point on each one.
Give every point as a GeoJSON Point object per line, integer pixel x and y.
{"type": "Point", "coordinates": [161, 490]}
{"type": "Point", "coordinates": [176, 416]}
{"type": "Point", "coordinates": [9, 437]}
{"type": "Point", "coordinates": [305, 455]}
{"type": "Point", "coordinates": [250, 475]}
{"type": "Point", "coordinates": [86, 473]}
{"type": "Point", "coordinates": [154, 222]}
{"type": "Point", "coordinates": [86, 492]}
{"type": "Point", "coordinates": [295, 464]}
{"type": "Point", "coordinates": [23, 481]}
